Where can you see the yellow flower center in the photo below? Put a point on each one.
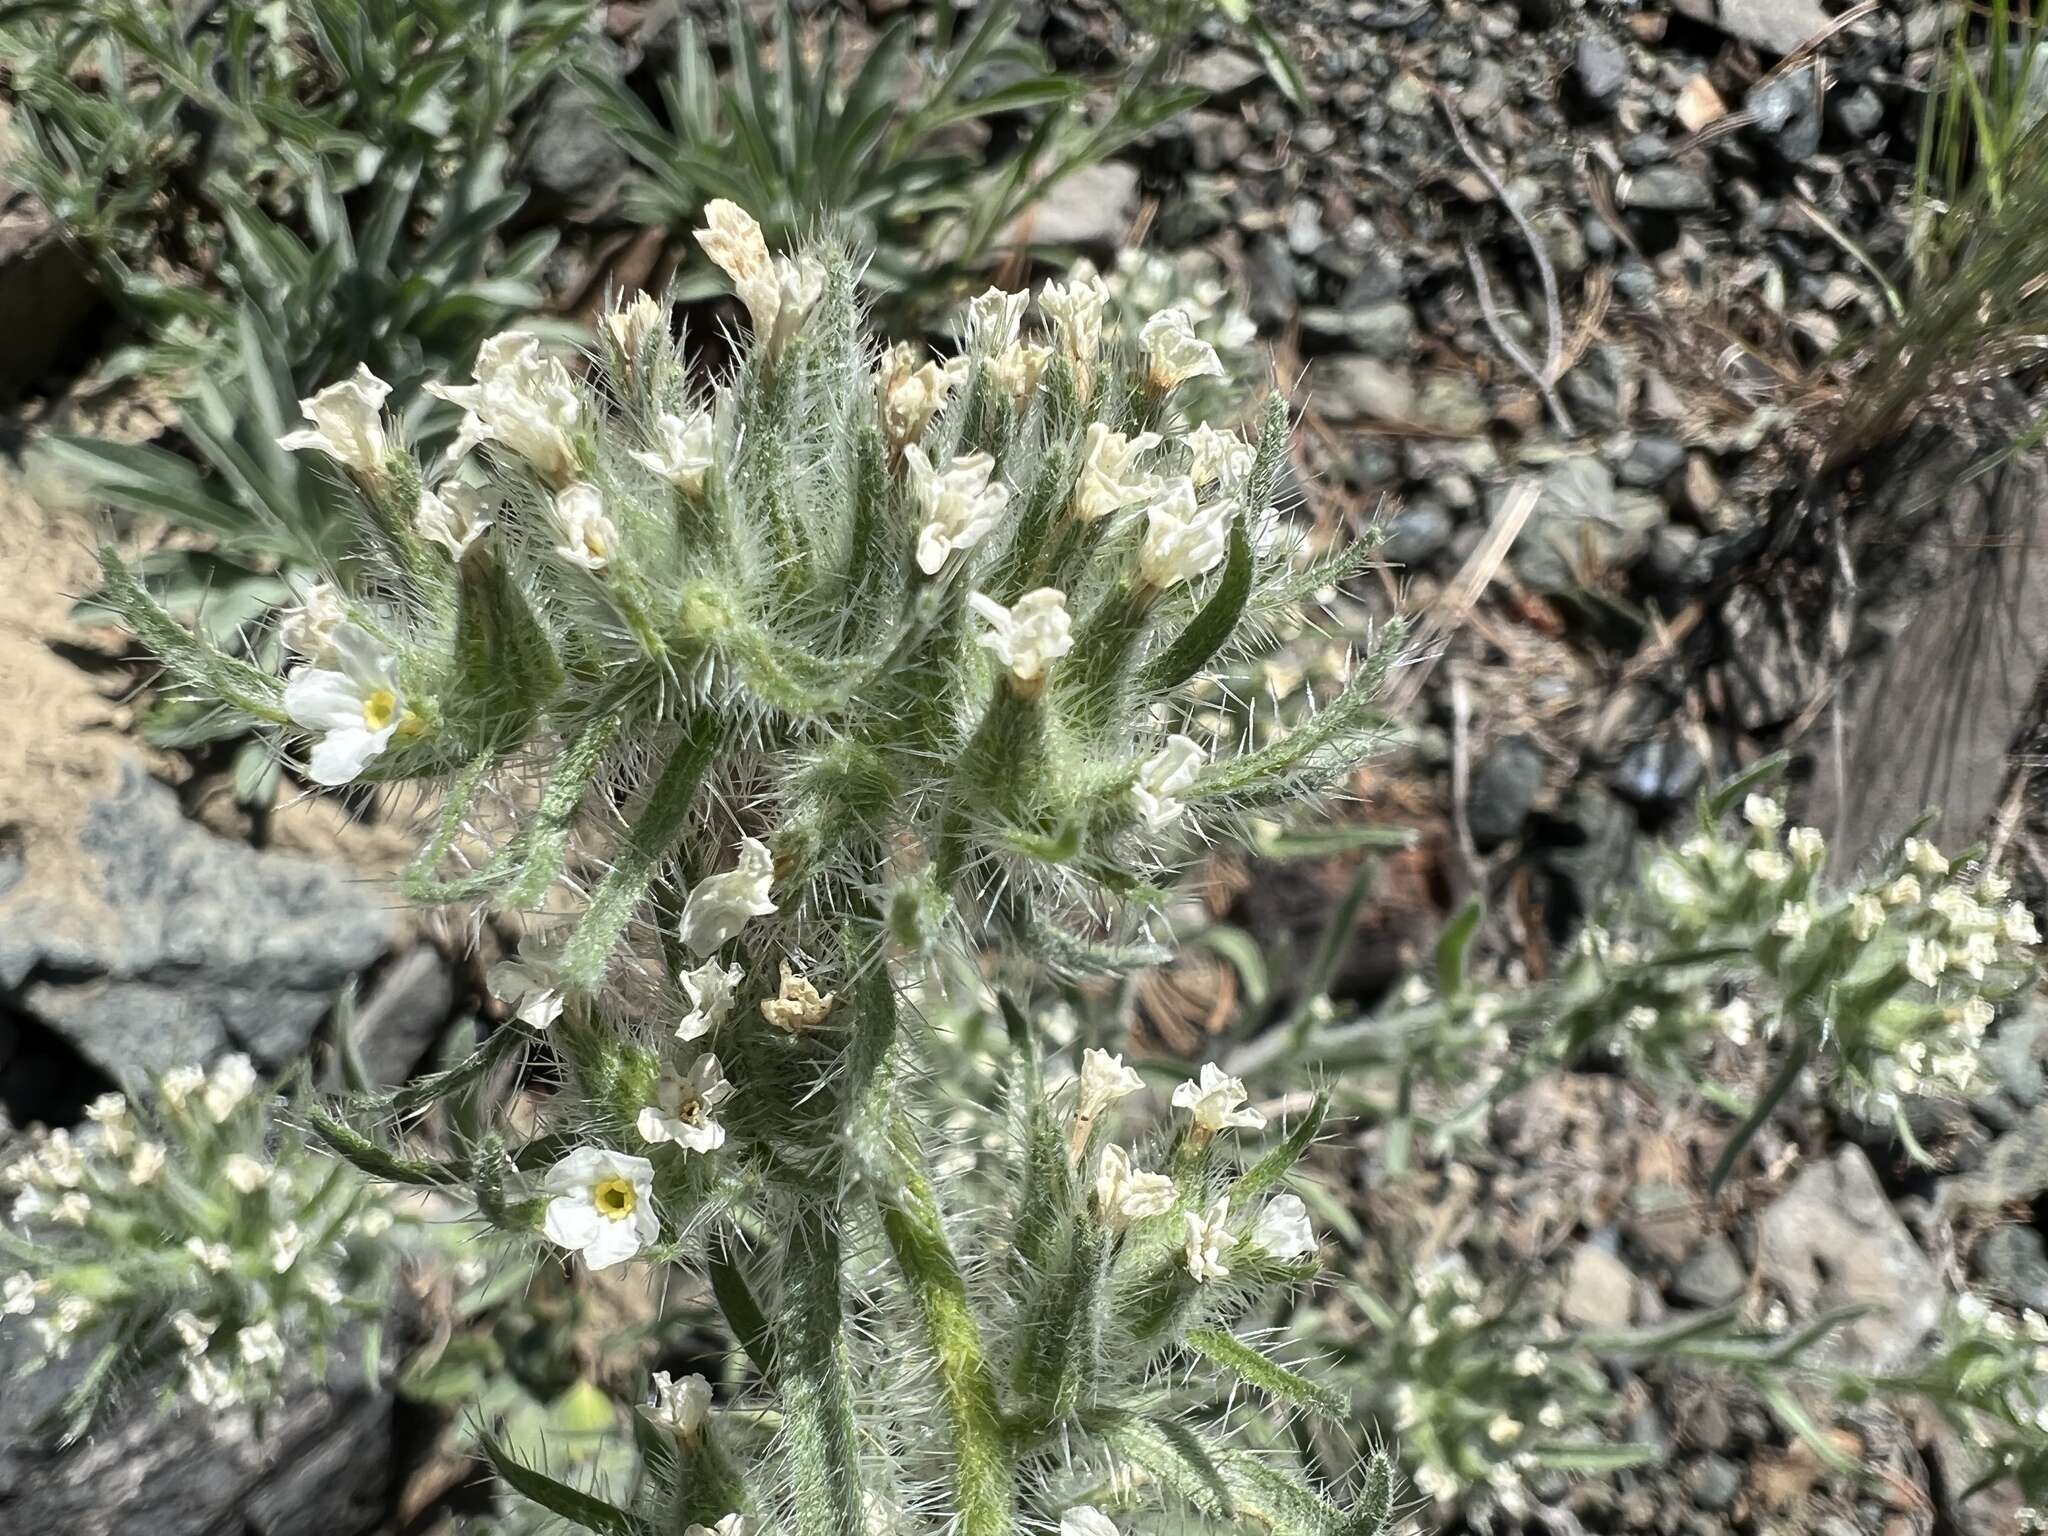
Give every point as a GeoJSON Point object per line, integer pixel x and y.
{"type": "Point", "coordinates": [614, 1198]}
{"type": "Point", "coordinates": [594, 545]}
{"type": "Point", "coordinates": [380, 705]}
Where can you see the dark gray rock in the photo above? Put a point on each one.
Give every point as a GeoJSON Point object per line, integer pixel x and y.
{"type": "Point", "coordinates": [1660, 772]}
{"type": "Point", "coordinates": [1419, 532]}
{"type": "Point", "coordinates": [402, 1015]}
{"type": "Point", "coordinates": [1385, 330]}
{"type": "Point", "coordinates": [1272, 288]}
{"type": "Point", "coordinates": [1713, 1276]}
{"type": "Point", "coordinates": [1668, 189]}
{"type": "Point", "coordinates": [1650, 461]}
{"type": "Point", "coordinates": [1577, 517]}
{"type": "Point", "coordinates": [1453, 403]}
{"type": "Point", "coordinates": [1599, 69]}
{"type": "Point", "coordinates": [1351, 388]}
{"type": "Point", "coordinates": [156, 943]}
{"type": "Point", "coordinates": [572, 166]}
{"type": "Point", "coordinates": [1716, 1483]}
{"type": "Point", "coordinates": [1776, 26]}
{"type": "Point", "coordinates": [1504, 790]}
{"type": "Point", "coordinates": [2013, 1262]}
{"type": "Point", "coordinates": [2014, 1169]}
{"type": "Point", "coordinates": [1787, 112]}
{"type": "Point", "coordinates": [1858, 113]}
{"type": "Point", "coordinates": [1588, 849]}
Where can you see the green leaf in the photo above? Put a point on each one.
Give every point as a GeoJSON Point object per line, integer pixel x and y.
{"type": "Point", "coordinates": [1171, 1452]}
{"type": "Point", "coordinates": [1279, 62]}
{"type": "Point", "coordinates": [1275, 1165]}
{"type": "Point", "coordinates": [1268, 1376]}
{"type": "Point", "coordinates": [1454, 946]}
{"type": "Point", "coordinates": [1211, 627]}
{"type": "Point", "coordinates": [586, 1510]}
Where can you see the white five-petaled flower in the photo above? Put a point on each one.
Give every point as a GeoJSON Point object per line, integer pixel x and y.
{"type": "Point", "coordinates": [682, 1406]}
{"type": "Point", "coordinates": [522, 400]}
{"type": "Point", "coordinates": [347, 422]}
{"type": "Point", "coordinates": [910, 392]}
{"type": "Point", "coordinates": [710, 988]}
{"type": "Point", "coordinates": [310, 628]}
{"type": "Point", "coordinates": [1123, 1194]}
{"type": "Point", "coordinates": [1174, 353]}
{"type": "Point", "coordinates": [1104, 1080]}
{"type": "Point", "coordinates": [454, 517]}
{"type": "Point", "coordinates": [683, 450]}
{"type": "Point", "coordinates": [1109, 479]}
{"type": "Point", "coordinates": [1208, 1241]}
{"type": "Point", "coordinates": [18, 1296]}
{"type": "Point", "coordinates": [1763, 813]}
{"type": "Point", "coordinates": [588, 537]}
{"type": "Point", "coordinates": [244, 1173]}
{"type": "Point", "coordinates": [719, 905]}
{"type": "Point", "coordinates": [1029, 636]}
{"type": "Point", "coordinates": [1282, 1228]}
{"type": "Point", "coordinates": [960, 504]}
{"type": "Point", "coordinates": [1018, 368]}
{"type": "Point", "coordinates": [1807, 845]}
{"type": "Point", "coordinates": [1087, 1520]}
{"type": "Point", "coordinates": [1075, 309]}
{"type": "Point", "coordinates": [1217, 1102]}
{"type": "Point", "coordinates": [527, 989]}
{"type": "Point", "coordinates": [1220, 456]}
{"type": "Point", "coordinates": [1182, 538]}
{"type": "Point", "coordinates": [779, 293]}
{"type": "Point", "coordinates": [797, 1006]}
{"type": "Point", "coordinates": [683, 1108]}
{"type": "Point", "coordinates": [734, 1524]}
{"type": "Point", "coordinates": [601, 1205]}
{"type": "Point", "coordinates": [993, 319]}
{"type": "Point", "coordinates": [356, 705]}
{"type": "Point", "coordinates": [1161, 779]}
{"type": "Point", "coordinates": [232, 1081]}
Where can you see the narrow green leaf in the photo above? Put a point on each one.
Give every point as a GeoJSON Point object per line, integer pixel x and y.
{"type": "Point", "coordinates": [586, 1510]}
{"type": "Point", "coordinates": [1268, 1376]}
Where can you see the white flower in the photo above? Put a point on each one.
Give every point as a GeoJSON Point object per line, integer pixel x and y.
{"type": "Point", "coordinates": [797, 1006]}
{"type": "Point", "coordinates": [1737, 1021]}
{"type": "Point", "coordinates": [1018, 369]}
{"type": "Point", "coordinates": [1183, 540]}
{"type": "Point", "coordinates": [1902, 892]}
{"type": "Point", "coordinates": [734, 1524]}
{"type": "Point", "coordinates": [1222, 456]}
{"type": "Point", "coordinates": [2017, 923]}
{"type": "Point", "coordinates": [18, 1296]}
{"type": "Point", "coordinates": [587, 536]}
{"type": "Point", "coordinates": [1087, 1520]}
{"type": "Point", "coordinates": [1527, 1361]}
{"type": "Point", "coordinates": [1282, 1228]}
{"type": "Point", "coordinates": [309, 628]}
{"type": "Point", "coordinates": [233, 1080]}
{"type": "Point", "coordinates": [209, 1385]}
{"type": "Point", "coordinates": [74, 1210]}
{"type": "Point", "coordinates": [215, 1258]}
{"type": "Point", "coordinates": [993, 319]}
{"type": "Point", "coordinates": [1763, 813]}
{"type": "Point", "coordinates": [30, 1202]}
{"type": "Point", "coordinates": [1029, 637]}
{"type": "Point", "coordinates": [320, 1285]}
{"type": "Point", "coordinates": [1104, 1080]}
{"type": "Point", "coordinates": [1975, 1016]}
{"type": "Point", "coordinates": [58, 1160]}
{"type": "Point", "coordinates": [243, 1173]}
{"type": "Point", "coordinates": [1214, 1102]}
{"type": "Point", "coordinates": [522, 400]}
{"type": "Point", "coordinates": [347, 422]}
{"type": "Point", "coordinates": [147, 1163]}
{"type": "Point", "coordinates": [1162, 777]}
{"type": "Point", "coordinates": [527, 989]}
{"type": "Point", "coordinates": [1208, 1241]}
{"type": "Point", "coordinates": [260, 1346]}
{"type": "Point", "coordinates": [632, 325]}
{"type": "Point", "coordinates": [1768, 865]}
{"type": "Point", "coordinates": [1109, 479]}
{"type": "Point", "coordinates": [285, 1245]}
{"type": "Point", "coordinates": [959, 504]}
{"type": "Point", "coordinates": [110, 1113]}
{"type": "Point", "coordinates": [179, 1084]}
{"type": "Point", "coordinates": [682, 1406]}
{"type": "Point", "coordinates": [1926, 959]}
{"type": "Point", "coordinates": [779, 293]}
{"type": "Point", "coordinates": [1807, 845]}
{"type": "Point", "coordinates": [683, 450]}
{"type": "Point", "coordinates": [719, 905]}
{"type": "Point", "coordinates": [1123, 1194]}
{"type": "Point", "coordinates": [602, 1205]}
{"type": "Point", "coordinates": [1866, 916]}
{"type": "Point", "coordinates": [1925, 858]}
{"type": "Point", "coordinates": [356, 706]}
{"type": "Point", "coordinates": [1795, 922]}
{"type": "Point", "coordinates": [683, 1106]}
{"type": "Point", "coordinates": [910, 392]}
{"type": "Point", "coordinates": [1075, 309]}
{"type": "Point", "coordinates": [454, 517]}
{"type": "Point", "coordinates": [1980, 950]}
{"type": "Point", "coordinates": [1174, 353]}
{"type": "Point", "coordinates": [710, 988]}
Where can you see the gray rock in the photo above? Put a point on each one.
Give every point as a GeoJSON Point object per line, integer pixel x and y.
{"type": "Point", "coordinates": [1351, 388]}
{"type": "Point", "coordinates": [1273, 289]}
{"type": "Point", "coordinates": [1590, 848]}
{"type": "Point", "coordinates": [2013, 1262]}
{"type": "Point", "coordinates": [1776, 26]}
{"type": "Point", "coordinates": [1599, 1290]}
{"type": "Point", "coordinates": [1223, 72]}
{"type": "Point", "coordinates": [2017, 1054]}
{"type": "Point", "coordinates": [1787, 111]}
{"type": "Point", "coordinates": [1668, 189]}
{"type": "Point", "coordinates": [1716, 1483]}
{"type": "Point", "coordinates": [399, 1020]}
{"type": "Point", "coordinates": [1452, 403]}
{"type": "Point", "coordinates": [1599, 69]}
{"type": "Point", "coordinates": [1832, 1239]}
{"type": "Point", "coordinates": [1579, 517]}
{"type": "Point", "coordinates": [1504, 790]}
{"type": "Point", "coordinates": [47, 298]}
{"type": "Point", "coordinates": [1659, 772]}
{"type": "Point", "coordinates": [1858, 113]}
{"type": "Point", "coordinates": [1385, 330]}
{"type": "Point", "coordinates": [1713, 1276]}
{"type": "Point", "coordinates": [568, 160]}
{"type": "Point", "coordinates": [1092, 207]}
{"type": "Point", "coordinates": [163, 944]}
{"type": "Point", "coordinates": [1419, 532]}
{"type": "Point", "coordinates": [1651, 461]}
{"type": "Point", "coordinates": [2015, 1168]}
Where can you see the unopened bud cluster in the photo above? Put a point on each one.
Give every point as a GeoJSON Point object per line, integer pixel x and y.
{"type": "Point", "coordinates": [182, 1227]}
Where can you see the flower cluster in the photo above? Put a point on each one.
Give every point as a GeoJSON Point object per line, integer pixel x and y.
{"type": "Point", "coordinates": [174, 1226]}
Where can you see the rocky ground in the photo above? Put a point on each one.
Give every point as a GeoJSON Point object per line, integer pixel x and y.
{"type": "Point", "coordinates": [1617, 252]}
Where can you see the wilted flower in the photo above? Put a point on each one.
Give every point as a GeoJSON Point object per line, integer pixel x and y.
{"type": "Point", "coordinates": [720, 905]}
{"type": "Point", "coordinates": [454, 517]}
{"type": "Point", "coordinates": [215, 1258]}
{"type": "Point", "coordinates": [74, 1210]}
{"type": "Point", "coordinates": [1182, 539]}
{"type": "Point", "coordinates": [1208, 1241]}
{"type": "Point", "coordinates": [1217, 1102]}
{"type": "Point", "coordinates": [1174, 353]}
{"type": "Point", "coordinates": [684, 448]}
{"type": "Point", "coordinates": [959, 504]}
{"type": "Point", "coordinates": [232, 1081]}
{"type": "Point", "coordinates": [588, 537]}
{"type": "Point", "coordinates": [1123, 1194]}
{"type": "Point", "coordinates": [633, 325]}
{"type": "Point", "coordinates": [244, 1173]}
{"type": "Point", "coordinates": [356, 706]}
{"type": "Point", "coordinates": [523, 401]}
{"type": "Point", "coordinates": [18, 1295]}
{"type": "Point", "coordinates": [1161, 779]}
{"type": "Point", "coordinates": [910, 392]}
{"type": "Point", "coordinates": [683, 1108]}
{"type": "Point", "coordinates": [1110, 480]}
{"type": "Point", "coordinates": [993, 319]}
{"type": "Point", "coordinates": [1925, 859]}
{"type": "Point", "coordinates": [285, 1244]}
{"type": "Point", "coordinates": [347, 423]}
{"type": "Point", "coordinates": [1029, 636]}
{"type": "Point", "coordinates": [1926, 959]}
{"type": "Point", "coordinates": [309, 628]}
{"type": "Point", "coordinates": [797, 1006]}
{"type": "Point", "coordinates": [527, 989]}
{"type": "Point", "coordinates": [779, 293]}
{"type": "Point", "coordinates": [1075, 309]}
{"type": "Point", "coordinates": [683, 1406]}
{"type": "Point", "coordinates": [1220, 456]}
{"type": "Point", "coordinates": [602, 1205]}
{"type": "Point", "coordinates": [260, 1346]}
{"type": "Point", "coordinates": [1283, 1229]}
{"type": "Point", "coordinates": [710, 989]}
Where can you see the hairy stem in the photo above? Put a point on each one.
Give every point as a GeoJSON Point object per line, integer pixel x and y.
{"type": "Point", "coordinates": [812, 1379]}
